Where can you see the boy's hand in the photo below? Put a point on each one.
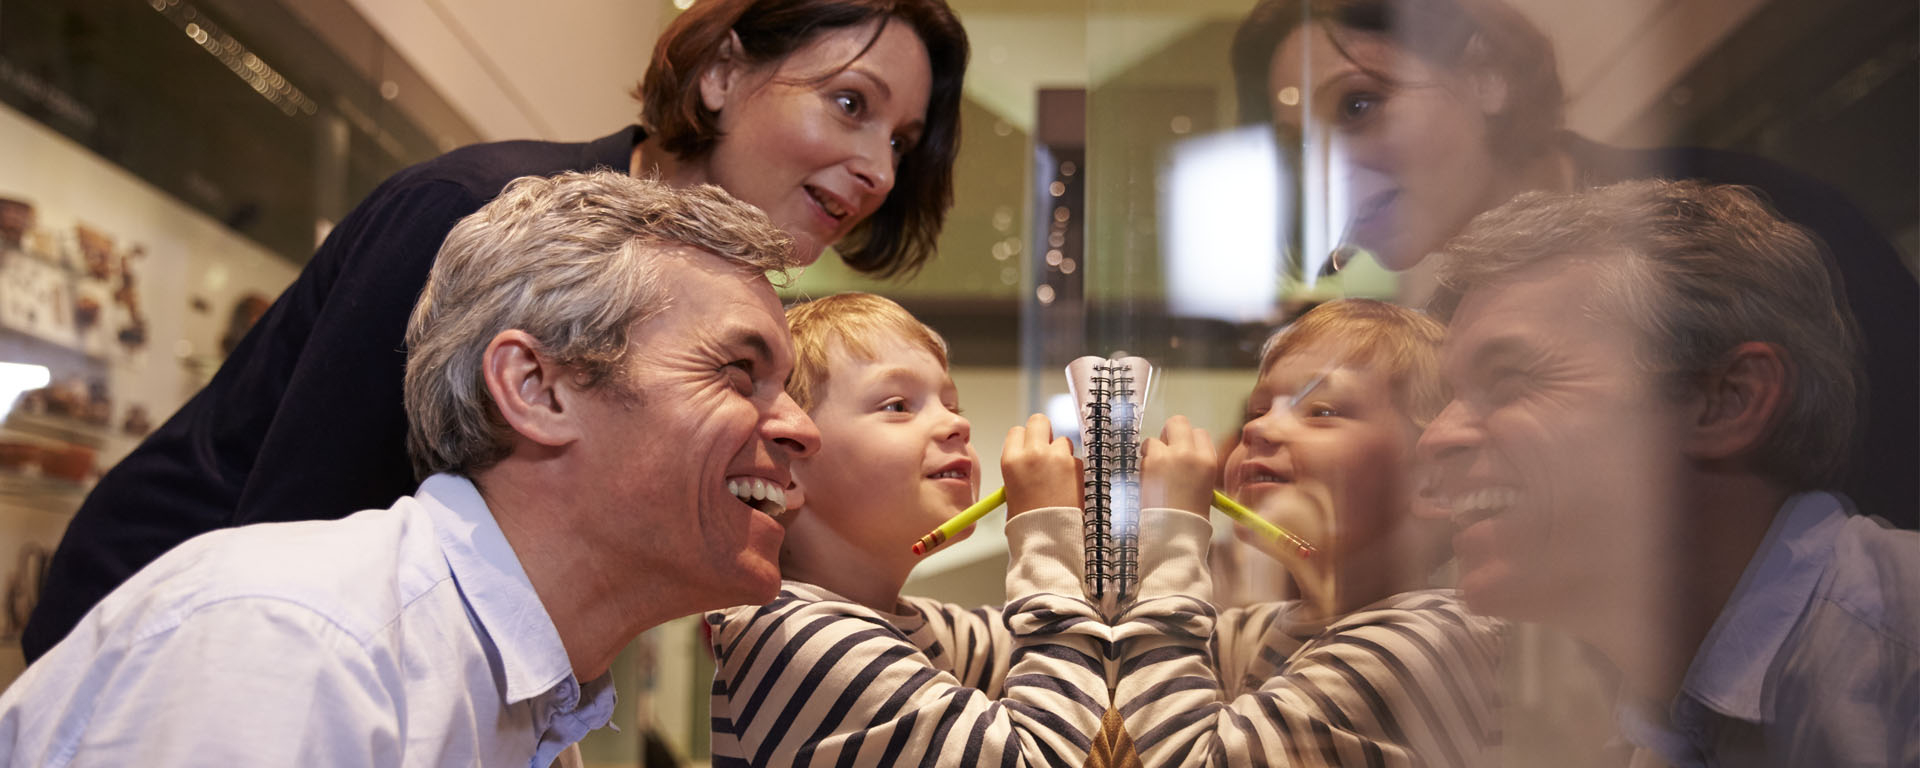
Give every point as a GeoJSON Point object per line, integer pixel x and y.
{"type": "Point", "coordinates": [1178, 469]}
{"type": "Point", "coordinates": [1039, 469]}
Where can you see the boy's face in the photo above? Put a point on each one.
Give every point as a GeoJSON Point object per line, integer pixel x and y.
{"type": "Point", "coordinates": [1325, 451]}
{"type": "Point", "coordinates": [895, 459]}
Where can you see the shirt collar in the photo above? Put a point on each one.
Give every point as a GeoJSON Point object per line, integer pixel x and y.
{"type": "Point", "coordinates": [496, 588]}
{"type": "Point", "coordinates": [1729, 672]}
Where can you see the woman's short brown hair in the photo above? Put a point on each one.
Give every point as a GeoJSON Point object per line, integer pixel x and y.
{"type": "Point", "coordinates": [898, 238]}
{"type": "Point", "coordinates": [1455, 35]}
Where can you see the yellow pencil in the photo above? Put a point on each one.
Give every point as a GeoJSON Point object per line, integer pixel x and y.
{"type": "Point", "coordinates": [952, 528]}
{"type": "Point", "coordinates": [1259, 524]}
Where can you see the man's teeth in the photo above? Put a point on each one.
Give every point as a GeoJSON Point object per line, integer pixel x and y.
{"type": "Point", "coordinates": [759, 494]}
{"type": "Point", "coordinates": [1479, 505]}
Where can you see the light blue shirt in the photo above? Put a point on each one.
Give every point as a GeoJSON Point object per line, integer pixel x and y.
{"type": "Point", "coordinates": [407, 636]}
{"type": "Point", "coordinates": [1815, 660]}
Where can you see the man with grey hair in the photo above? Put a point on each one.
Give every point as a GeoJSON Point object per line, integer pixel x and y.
{"type": "Point", "coordinates": [1652, 388]}
{"type": "Point", "coordinates": [595, 380]}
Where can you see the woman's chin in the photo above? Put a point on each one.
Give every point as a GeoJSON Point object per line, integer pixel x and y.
{"type": "Point", "coordinates": [806, 251]}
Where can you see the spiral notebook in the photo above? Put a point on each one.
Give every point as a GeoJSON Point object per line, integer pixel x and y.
{"type": "Point", "coordinates": [1112, 396]}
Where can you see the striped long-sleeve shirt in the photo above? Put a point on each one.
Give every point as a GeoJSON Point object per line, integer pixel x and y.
{"type": "Point", "coordinates": [1409, 680]}
{"type": "Point", "coordinates": [815, 679]}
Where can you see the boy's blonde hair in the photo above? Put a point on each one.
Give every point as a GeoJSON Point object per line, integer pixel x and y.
{"type": "Point", "coordinates": [858, 321]}
{"type": "Point", "coordinates": [1405, 343]}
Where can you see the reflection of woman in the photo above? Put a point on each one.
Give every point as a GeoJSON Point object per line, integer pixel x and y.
{"type": "Point", "coordinates": [1436, 110]}
{"type": "Point", "coordinates": [839, 118]}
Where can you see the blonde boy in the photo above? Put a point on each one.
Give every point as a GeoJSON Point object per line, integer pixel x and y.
{"type": "Point", "coordinates": [840, 668]}
{"type": "Point", "coordinates": [1372, 668]}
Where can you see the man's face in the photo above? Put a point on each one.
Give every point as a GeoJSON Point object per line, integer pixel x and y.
{"type": "Point", "coordinates": [707, 428]}
{"type": "Point", "coordinates": [1556, 457]}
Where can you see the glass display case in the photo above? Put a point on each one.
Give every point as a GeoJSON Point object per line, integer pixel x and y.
{"type": "Point", "coordinates": [1124, 187]}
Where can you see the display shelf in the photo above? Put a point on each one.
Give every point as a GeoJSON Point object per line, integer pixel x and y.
{"type": "Point", "coordinates": [33, 491]}
{"type": "Point", "coordinates": [63, 429]}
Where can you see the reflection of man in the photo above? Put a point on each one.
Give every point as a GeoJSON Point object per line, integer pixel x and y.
{"type": "Point", "coordinates": [594, 382]}
{"type": "Point", "coordinates": [1651, 386]}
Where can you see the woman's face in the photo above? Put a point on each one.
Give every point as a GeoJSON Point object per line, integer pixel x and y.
{"type": "Point", "coordinates": [814, 139]}
{"type": "Point", "coordinates": [1404, 143]}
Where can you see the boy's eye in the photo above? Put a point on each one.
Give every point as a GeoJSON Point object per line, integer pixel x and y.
{"type": "Point", "coordinates": [895, 405]}
{"type": "Point", "coordinates": [1322, 410]}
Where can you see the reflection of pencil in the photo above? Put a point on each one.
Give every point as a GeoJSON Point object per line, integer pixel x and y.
{"type": "Point", "coordinates": [1259, 524]}
{"type": "Point", "coordinates": [952, 528]}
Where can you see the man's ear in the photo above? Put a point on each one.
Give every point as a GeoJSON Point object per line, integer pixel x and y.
{"type": "Point", "coordinates": [531, 391]}
{"type": "Point", "coordinates": [1738, 402]}
{"type": "Point", "coordinates": [724, 76]}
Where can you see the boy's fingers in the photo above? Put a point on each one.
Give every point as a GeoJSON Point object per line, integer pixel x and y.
{"type": "Point", "coordinates": [1039, 432]}
{"type": "Point", "coordinates": [1202, 440]}
{"type": "Point", "coordinates": [1176, 430]}
{"type": "Point", "coordinates": [1016, 442]}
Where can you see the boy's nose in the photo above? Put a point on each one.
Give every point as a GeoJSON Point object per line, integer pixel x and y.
{"type": "Point", "coordinates": [959, 428]}
{"type": "Point", "coordinates": [1272, 428]}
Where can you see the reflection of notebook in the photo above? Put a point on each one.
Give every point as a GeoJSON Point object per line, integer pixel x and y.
{"type": "Point", "coordinates": [1112, 396]}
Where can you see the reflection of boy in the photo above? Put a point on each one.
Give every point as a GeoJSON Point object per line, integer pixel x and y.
{"type": "Point", "coordinates": [842, 669]}
{"type": "Point", "coordinates": [1371, 668]}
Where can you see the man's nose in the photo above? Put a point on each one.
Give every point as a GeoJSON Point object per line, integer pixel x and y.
{"type": "Point", "coordinates": [1451, 434]}
{"type": "Point", "coordinates": [791, 428]}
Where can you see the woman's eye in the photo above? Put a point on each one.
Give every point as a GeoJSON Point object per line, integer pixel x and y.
{"type": "Point", "coordinates": [1356, 107]}
{"type": "Point", "coordinates": [849, 103]}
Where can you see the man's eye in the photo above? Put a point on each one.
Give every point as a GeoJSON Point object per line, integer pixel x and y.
{"type": "Point", "coordinates": [740, 376]}
{"type": "Point", "coordinates": [1504, 385]}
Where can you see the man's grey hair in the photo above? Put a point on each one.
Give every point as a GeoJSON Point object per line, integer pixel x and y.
{"type": "Point", "coordinates": [573, 260]}
{"type": "Point", "coordinates": [1696, 269]}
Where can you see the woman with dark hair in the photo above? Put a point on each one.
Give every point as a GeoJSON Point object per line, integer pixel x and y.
{"type": "Point", "coordinates": [1437, 110]}
{"type": "Point", "coordinates": [839, 118]}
